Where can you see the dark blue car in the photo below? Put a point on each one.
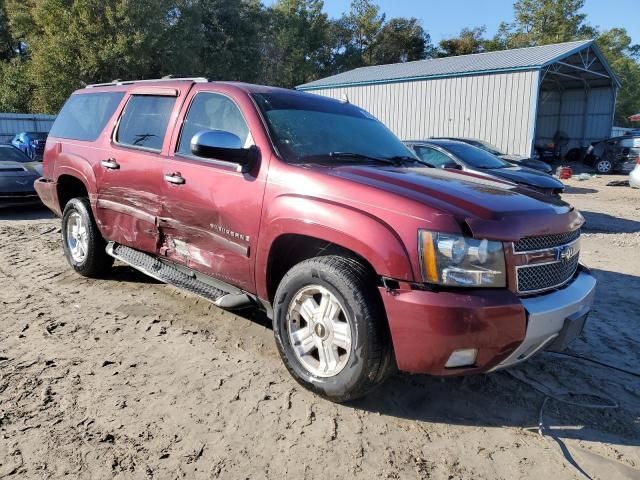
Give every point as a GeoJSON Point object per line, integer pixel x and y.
{"type": "Point", "coordinates": [31, 143]}
{"type": "Point", "coordinates": [462, 156]}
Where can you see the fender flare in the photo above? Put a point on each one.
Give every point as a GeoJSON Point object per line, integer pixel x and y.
{"type": "Point", "coordinates": [342, 225]}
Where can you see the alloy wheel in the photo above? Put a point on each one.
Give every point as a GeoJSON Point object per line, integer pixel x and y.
{"type": "Point", "coordinates": [319, 331]}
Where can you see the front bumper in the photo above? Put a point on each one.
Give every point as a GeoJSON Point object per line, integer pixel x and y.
{"type": "Point", "coordinates": [427, 327]}
{"type": "Point", "coordinates": [554, 319]}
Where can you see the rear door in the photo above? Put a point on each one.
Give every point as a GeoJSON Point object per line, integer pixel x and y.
{"type": "Point", "coordinates": [211, 216]}
{"type": "Point", "coordinates": [129, 177]}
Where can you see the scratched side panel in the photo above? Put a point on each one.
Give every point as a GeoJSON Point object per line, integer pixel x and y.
{"type": "Point", "coordinates": [211, 222]}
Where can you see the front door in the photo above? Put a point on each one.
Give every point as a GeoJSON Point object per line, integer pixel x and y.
{"type": "Point", "coordinates": [130, 178]}
{"type": "Point", "coordinates": [211, 215]}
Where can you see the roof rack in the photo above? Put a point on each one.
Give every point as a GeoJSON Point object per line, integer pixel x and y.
{"type": "Point", "coordinates": [168, 78]}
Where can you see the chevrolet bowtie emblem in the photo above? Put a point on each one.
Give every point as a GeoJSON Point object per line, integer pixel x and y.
{"type": "Point", "coordinates": [564, 253]}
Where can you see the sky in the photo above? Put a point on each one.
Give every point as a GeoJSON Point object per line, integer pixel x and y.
{"type": "Point", "coordinates": [443, 19]}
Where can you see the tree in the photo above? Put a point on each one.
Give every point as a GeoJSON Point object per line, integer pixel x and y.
{"type": "Point", "coordinates": [622, 56]}
{"type": "Point", "coordinates": [402, 40]}
{"type": "Point", "coordinates": [297, 49]}
{"type": "Point", "coordinates": [541, 22]}
{"type": "Point", "coordinates": [16, 89]}
{"type": "Point", "coordinates": [469, 41]}
{"type": "Point", "coordinates": [7, 49]}
{"type": "Point", "coordinates": [76, 42]}
{"type": "Point", "coordinates": [218, 39]}
{"type": "Point", "coordinates": [362, 25]}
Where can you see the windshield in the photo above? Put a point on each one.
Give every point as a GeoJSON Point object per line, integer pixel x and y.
{"type": "Point", "coordinates": [12, 154]}
{"type": "Point", "coordinates": [485, 146]}
{"type": "Point", "coordinates": [476, 157]}
{"type": "Point", "coordinates": [309, 128]}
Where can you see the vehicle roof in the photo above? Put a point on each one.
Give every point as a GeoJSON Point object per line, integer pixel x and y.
{"type": "Point", "coordinates": [443, 142]}
{"type": "Point", "coordinates": [125, 85]}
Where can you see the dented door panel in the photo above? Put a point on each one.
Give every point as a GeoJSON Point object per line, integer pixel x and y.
{"type": "Point", "coordinates": [210, 222]}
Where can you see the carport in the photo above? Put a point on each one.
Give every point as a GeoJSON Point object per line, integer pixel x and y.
{"type": "Point", "coordinates": [576, 100]}
{"type": "Point", "coordinates": [514, 99]}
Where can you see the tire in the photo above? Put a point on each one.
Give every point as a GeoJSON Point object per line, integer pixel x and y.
{"type": "Point", "coordinates": [369, 359]}
{"type": "Point", "coordinates": [94, 261]}
{"type": "Point", "coordinates": [604, 166]}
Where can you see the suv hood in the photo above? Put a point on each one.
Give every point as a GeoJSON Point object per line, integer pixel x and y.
{"type": "Point", "coordinates": [17, 176]}
{"type": "Point", "coordinates": [490, 208]}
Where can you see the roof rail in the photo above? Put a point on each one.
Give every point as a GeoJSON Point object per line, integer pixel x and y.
{"type": "Point", "coordinates": [163, 79]}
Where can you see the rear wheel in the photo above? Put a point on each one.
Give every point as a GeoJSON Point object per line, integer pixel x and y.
{"type": "Point", "coordinates": [82, 242]}
{"type": "Point", "coordinates": [330, 328]}
{"type": "Point", "coordinates": [604, 166]}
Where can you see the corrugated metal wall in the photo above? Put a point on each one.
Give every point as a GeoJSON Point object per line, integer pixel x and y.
{"type": "Point", "coordinates": [12, 123]}
{"type": "Point", "coordinates": [498, 108]}
{"type": "Point", "coordinates": [565, 111]}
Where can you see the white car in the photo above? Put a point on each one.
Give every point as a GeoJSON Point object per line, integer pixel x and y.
{"type": "Point", "coordinates": [634, 176]}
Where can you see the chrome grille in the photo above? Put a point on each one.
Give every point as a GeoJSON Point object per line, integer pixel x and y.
{"type": "Point", "coordinates": [536, 278]}
{"type": "Point", "coordinates": [529, 244]}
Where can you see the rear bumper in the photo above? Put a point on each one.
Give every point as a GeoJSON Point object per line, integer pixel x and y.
{"type": "Point", "coordinates": [427, 327]}
{"type": "Point", "coordinates": [48, 193]}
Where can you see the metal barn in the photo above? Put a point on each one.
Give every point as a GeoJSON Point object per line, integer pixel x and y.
{"type": "Point", "coordinates": [12, 123]}
{"type": "Point", "coordinates": [514, 99]}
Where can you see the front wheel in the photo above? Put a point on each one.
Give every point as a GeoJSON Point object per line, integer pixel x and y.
{"type": "Point", "coordinates": [330, 328]}
{"type": "Point", "coordinates": [83, 244]}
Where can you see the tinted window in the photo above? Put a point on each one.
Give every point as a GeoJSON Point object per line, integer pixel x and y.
{"type": "Point", "coordinates": [84, 116]}
{"type": "Point", "coordinates": [211, 111]}
{"type": "Point", "coordinates": [307, 128]}
{"type": "Point", "coordinates": [476, 157]}
{"type": "Point", "coordinates": [432, 157]}
{"type": "Point", "coordinates": [144, 121]}
{"type": "Point", "coordinates": [485, 146]}
{"type": "Point", "coordinates": [12, 154]}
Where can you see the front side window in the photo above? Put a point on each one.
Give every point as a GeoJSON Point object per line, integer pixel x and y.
{"type": "Point", "coordinates": [309, 128]}
{"type": "Point", "coordinates": [84, 116]}
{"type": "Point", "coordinates": [144, 121]}
{"type": "Point", "coordinates": [212, 111]}
{"type": "Point", "coordinates": [433, 157]}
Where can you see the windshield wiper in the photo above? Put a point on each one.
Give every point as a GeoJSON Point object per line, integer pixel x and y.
{"type": "Point", "coordinates": [361, 156]}
{"type": "Point", "coordinates": [399, 159]}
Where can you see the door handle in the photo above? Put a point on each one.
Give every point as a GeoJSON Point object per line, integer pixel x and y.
{"type": "Point", "coordinates": [110, 164]}
{"type": "Point", "coordinates": [174, 178]}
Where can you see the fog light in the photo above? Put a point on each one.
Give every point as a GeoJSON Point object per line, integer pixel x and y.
{"type": "Point", "coordinates": [462, 358]}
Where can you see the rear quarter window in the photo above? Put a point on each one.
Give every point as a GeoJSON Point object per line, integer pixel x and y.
{"type": "Point", "coordinates": [84, 116]}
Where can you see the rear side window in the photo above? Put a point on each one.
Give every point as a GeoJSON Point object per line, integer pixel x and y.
{"type": "Point", "coordinates": [84, 116]}
{"type": "Point", "coordinates": [144, 121]}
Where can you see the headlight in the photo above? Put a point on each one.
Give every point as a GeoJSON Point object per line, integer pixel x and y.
{"type": "Point", "coordinates": [450, 259]}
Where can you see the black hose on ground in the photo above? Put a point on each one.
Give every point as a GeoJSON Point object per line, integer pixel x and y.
{"type": "Point", "coordinates": [607, 403]}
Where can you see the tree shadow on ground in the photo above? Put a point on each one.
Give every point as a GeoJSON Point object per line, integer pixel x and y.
{"type": "Point", "coordinates": [605, 223]}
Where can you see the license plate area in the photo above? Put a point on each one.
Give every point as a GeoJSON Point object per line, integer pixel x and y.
{"type": "Point", "coordinates": [572, 328]}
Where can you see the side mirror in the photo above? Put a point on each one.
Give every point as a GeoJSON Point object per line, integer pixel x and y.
{"type": "Point", "coordinates": [225, 146]}
{"type": "Point", "coordinates": [451, 165]}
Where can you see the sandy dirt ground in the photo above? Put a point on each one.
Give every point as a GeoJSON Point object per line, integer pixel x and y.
{"type": "Point", "coordinates": [128, 378]}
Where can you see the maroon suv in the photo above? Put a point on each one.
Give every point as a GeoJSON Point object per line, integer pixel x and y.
{"type": "Point", "coordinates": [313, 210]}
